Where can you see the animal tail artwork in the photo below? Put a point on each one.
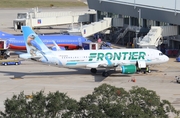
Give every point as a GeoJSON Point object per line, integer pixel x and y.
{"type": "Point", "coordinates": [34, 44]}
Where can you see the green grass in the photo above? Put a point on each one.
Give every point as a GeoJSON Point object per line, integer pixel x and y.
{"type": "Point", "coordinates": [39, 3]}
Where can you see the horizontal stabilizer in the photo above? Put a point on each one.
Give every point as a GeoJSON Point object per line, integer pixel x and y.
{"type": "Point", "coordinates": [29, 56]}
{"type": "Point", "coordinates": [35, 57]}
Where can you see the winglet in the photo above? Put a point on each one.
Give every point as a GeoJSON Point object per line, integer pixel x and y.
{"type": "Point", "coordinates": [57, 47]}
{"type": "Point", "coordinates": [108, 61]}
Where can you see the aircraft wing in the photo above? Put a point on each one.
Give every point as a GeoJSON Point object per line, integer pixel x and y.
{"type": "Point", "coordinates": [106, 64]}
{"type": "Point", "coordinates": [93, 65]}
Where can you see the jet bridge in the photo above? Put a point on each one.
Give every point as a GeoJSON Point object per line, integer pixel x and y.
{"type": "Point", "coordinates": [155, 36]}
{"type": "Point", "coordinates": [93, 28]}
{"type": "Point", "coordinates": [35, 18]}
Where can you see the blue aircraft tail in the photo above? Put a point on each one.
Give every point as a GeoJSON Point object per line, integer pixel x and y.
{"type": "Point", "coordinates": [4, 34]}
{"type": "Point", "coordinates": [33, 43]}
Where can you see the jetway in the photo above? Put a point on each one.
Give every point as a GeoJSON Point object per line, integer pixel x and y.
{"type": "Point", "coordinates": [93, 28]}
{"type": "Point", "coordinates": [36, 18]}
{"type": "Point", "coordinates": [169, 31]}
{"type": "Point", "coordinates": [156, 34]}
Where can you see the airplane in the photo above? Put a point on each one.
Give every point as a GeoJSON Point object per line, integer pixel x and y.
{"type": "Point", "coordinates": [123, 60]}
{"type": "Point", "coordinates": [68, 42]}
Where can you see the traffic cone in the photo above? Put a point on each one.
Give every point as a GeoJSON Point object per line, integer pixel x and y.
{"type": "Point", "coordinates": [133, 79]}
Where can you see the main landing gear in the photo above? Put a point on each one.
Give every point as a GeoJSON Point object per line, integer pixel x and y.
{"type": "Point", "coordinates": [104, 74]}
{"type": "Point", "coordinates": [93, 70]}
{"type": "Point", "coordinates": [144, 70]}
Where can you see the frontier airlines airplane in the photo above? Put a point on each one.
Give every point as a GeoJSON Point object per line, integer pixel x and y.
{"type": "Point", "coordinates": [124, 60]}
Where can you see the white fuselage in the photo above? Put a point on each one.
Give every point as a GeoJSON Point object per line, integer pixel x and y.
{"type": "Point", "coordinates": [81, 58]}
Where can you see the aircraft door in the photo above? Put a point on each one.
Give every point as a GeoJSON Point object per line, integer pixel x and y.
{"type": "Point", "coordinates": [150, 57]}
{"type": "Point", "coordinates": [1, 44]}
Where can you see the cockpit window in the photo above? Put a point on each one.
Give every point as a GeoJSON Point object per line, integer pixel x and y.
{"type": "Point", "coordinates": [161, 54]}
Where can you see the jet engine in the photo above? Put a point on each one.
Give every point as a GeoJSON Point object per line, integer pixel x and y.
{"type": "Point", "coordinates": [127, 69]}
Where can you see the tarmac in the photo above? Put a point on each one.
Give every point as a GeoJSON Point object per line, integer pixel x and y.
{"type": "Point", "coordinates": [33, 76]}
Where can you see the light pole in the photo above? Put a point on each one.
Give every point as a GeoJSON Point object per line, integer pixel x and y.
{"type": "Point", "coordinates": [138, 29]}
{"type": "Point", "coordinates": [139, 11]}
{"type": "Point", "coordinates": [175, 8]}
{"type": "Point", "coordinates": [134, 4]}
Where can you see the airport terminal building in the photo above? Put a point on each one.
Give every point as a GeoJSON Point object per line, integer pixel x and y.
{"type": "Point", "coordinates": [143, 14]}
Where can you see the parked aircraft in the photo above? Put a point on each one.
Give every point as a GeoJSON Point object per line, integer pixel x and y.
{"type": "Point", "coordinates": [69, 42]}
{"type": "Point", "coordinates": [124, 60]}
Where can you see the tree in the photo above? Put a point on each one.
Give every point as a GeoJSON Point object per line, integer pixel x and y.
{"type": "Point", "coordinates": [150, 102]}
{"type": "Point", "coordinates": [88, 107]}
{"type": "Point", "coordinates": [60, 105]}
{"type": "Point", "coordinates": [116, 102]}
{"type": "Point", "coordinates": [38, 105]}
{"type": "Point", "coordinates": [15, 107]}
{"type": "Point", "coordinates": [105, 101]}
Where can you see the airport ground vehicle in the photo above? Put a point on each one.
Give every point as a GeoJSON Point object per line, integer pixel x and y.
{"type": "Point", "coordinates": [178, 59]}
{"type": "Point", "coordinates": [177, 79]}
{"type": "Point", "coordinates": [4, 53]}
{"type": "Point", "coordinates": [10, 62]}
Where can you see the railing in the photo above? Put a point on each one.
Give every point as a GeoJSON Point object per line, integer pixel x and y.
{"type": "Point", "coordinates": [129, 28]}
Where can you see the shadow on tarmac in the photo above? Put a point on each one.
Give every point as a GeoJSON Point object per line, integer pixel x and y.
{"type": "Point", "coordinates": [75, 71]}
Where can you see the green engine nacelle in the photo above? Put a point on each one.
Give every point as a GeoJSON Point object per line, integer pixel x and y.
{"type": "Point", "coordinates": [129, 69]}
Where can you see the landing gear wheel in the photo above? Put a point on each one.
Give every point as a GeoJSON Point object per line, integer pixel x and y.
{"type": "Point", "coordinates": [105, 74]}
{"type": "Point", "coordinates": [93, 70]}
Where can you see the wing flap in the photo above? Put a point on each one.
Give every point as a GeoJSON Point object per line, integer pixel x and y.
{"type": "Point", "coordinates": [107, 64]}
{"type": "Point", "coordinates": [93, 65]}
{"type": "Point", "coordinates": [101, 65]}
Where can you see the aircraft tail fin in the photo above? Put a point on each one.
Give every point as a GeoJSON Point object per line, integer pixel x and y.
{"type": "Point", "coordinates": [4, 34]}
{"type": "Point", "coordinates": [33, 43]}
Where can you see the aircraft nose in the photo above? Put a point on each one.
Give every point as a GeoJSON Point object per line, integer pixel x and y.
{"type": "Point", "coordinates": [166, 58]}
